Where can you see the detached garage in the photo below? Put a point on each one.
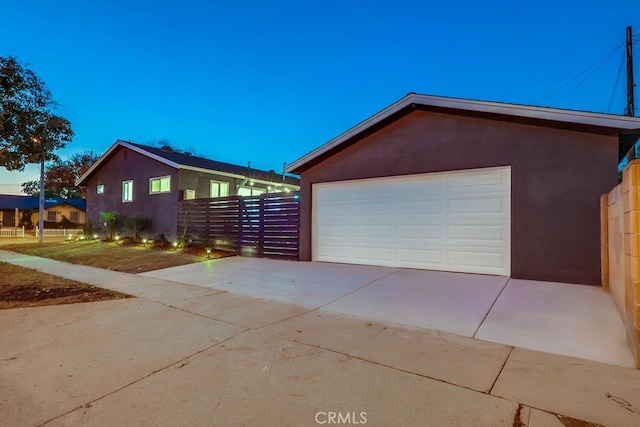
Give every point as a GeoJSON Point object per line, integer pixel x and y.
{"type": "Point", "coordinates": [468, 186]}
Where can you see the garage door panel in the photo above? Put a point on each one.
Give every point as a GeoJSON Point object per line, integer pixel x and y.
{"type": "Point", "coordinates": [363, 253]}
{"type": "Point", "coordinates": [425, 256]}
{"type": "Point", "coordinates": [373, 209]}
{"type": "Point", "coordinates": [484, 261]}
{"type": "Point", "coordinates": [421, 207]}
{"type": "Point", "coordinates": [372, 235]}
{"type": "Point", "coordinates": [477, 206]}
{"type": "Point", "coordinates": [337, 231]}
{"type": "Point", "coordinates": [455, 221]}
{"type": "Point", "coordinates": [419, 232]}
{"type": "Point", "coordinates": [482, 233]}
{"type": "Point", "coordinates": [478, 178]}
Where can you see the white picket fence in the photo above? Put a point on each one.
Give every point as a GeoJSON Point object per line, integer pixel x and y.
{"type": "Point", "coordinates": [11, 231]}
{"type": "Point", "coordinates": [59, 232]}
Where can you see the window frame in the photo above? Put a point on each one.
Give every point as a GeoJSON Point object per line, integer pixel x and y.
{"type": "Point", "coordinates": [55, 213]}
{"type": "Point", "coordinates": [253, 191]}
{"type": "Point", "coordinates": [77, 215]}
{"type": "Point", "coordinates": [128, 183]}
{"type": "Point", "coordinates": [159, 179]}
{"type": "Point", "coordinates": [221, 185]}
{"type": "Point", "coordinates": [189, 194]}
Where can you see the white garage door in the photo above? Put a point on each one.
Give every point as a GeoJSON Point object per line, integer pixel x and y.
{"type": "Point", "coordinates": [452, 221]}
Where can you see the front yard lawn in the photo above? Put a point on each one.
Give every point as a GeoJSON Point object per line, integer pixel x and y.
{"type": "Point", "coordinates": [114, 256]}
{"type": "Point", "coordinates": [23, 287]}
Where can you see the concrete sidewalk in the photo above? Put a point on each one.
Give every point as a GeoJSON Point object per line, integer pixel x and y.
{"type": "Point", "coordinates": [191, 355]}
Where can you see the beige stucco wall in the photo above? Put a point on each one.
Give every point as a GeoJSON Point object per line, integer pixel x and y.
{"type": "Point", "coordinates": [621, 251]}
{"type": "Point", "coordinates": [63, 210]}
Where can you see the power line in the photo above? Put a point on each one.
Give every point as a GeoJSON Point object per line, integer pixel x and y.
{"type": "Point", "coordinates": [615, 85]}
{"type": "Point", "coordinates": [594, 66]}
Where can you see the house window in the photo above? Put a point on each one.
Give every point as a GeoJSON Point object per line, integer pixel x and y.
{"type": "Point", "coordinates": [160, 185]}
{"type": "Point", "coordinates": [189, 194]}
{"type": "Point", "coordinates": [100, 189]}
{"type": "Point", "coordinates": [74, 216]}
{"type": "Point", "coordinates": [52, 216]}
{"type": "Point", "coordinates": [250, 191]}
{"type": "Point", "coordinates": [219, 189]}
{"type": "Point", "coordinates": [127, 191]}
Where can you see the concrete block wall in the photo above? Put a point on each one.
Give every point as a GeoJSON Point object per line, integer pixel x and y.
{"type": "Point", "coordinates": [620, 227]}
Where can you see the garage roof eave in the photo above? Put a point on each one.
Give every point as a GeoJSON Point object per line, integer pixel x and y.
{"type": "Point", "coordinates": [621, 124]}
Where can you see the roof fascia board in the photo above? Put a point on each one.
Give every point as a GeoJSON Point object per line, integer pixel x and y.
{"type": "Point", "coordinates": [234, 175]}
{"type": "Point", "coordinates": [112, 149]}
{"type": "Point", "coordinates": [620, 123]}
{"type": "Point", "coordinates": [543, 113]}
{"type": "Point", "coordinates": [211, 171]}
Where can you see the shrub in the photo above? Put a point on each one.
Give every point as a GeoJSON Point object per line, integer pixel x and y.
{"type": "Point", "coordinates": [137, 224]}
{"type": "Point", "coordinates": [89, 229]}
{"type": "Point", "coordinates": [161, 241]}
{"type": "Point", "coordinates": [113, 221]}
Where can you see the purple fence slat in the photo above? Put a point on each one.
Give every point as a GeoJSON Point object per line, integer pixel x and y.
{"type": "Point", "coordinates": [263, 226]}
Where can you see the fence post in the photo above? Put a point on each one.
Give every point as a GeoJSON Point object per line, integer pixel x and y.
{"type": "Point", "coordinates": [241, 210]}
{"type": "Point", "coordinates": [261, 213]}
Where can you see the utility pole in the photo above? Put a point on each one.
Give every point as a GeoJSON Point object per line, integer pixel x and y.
{"type": "Point", "coordinates": [630, 104]}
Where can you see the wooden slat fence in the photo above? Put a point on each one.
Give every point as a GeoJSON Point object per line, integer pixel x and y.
{"type": "Point", "coordinates": [263, 226]}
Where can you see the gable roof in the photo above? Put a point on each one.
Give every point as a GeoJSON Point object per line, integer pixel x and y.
{"type": "Point", "coordinates": [627, 128]}
{"type": "Point", "coordinates": [10, 201]}
{"type": "Point", "coordinates": [180, 160]}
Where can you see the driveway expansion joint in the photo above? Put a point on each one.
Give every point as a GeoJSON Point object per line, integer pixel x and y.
{"type": "Point", "coordinates": [491, 307]}
{"type": "Point", "coordinates": [359, 288]}
{"type": "Point", "coordinates": [506, 359]}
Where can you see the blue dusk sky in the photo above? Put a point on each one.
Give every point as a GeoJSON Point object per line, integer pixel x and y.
{"type": "Point", "coordinates": [269, 81]}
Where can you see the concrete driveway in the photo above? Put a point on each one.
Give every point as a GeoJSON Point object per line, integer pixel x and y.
{"type": "Point", "coordinates": [560, 318]}
{"type": "Point", "coordinates": [184, 354]}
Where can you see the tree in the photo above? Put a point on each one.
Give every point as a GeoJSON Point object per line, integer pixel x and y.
{"type": "Point", "coordinates": [112, 220]}
{"type": "Point", "coordinates": [61, 177]}
{"type": "Point", "coordinates": [29, 131]}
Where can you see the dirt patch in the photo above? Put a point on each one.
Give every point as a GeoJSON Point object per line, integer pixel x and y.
{"type": "Point", "coordinates": [23, 287]}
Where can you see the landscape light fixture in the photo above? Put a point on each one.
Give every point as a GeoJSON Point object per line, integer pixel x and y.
{"type": "Point", "coordinates": [144, 242]}
{"type": "Point", "coordinates": [208, 253]}
{"type": "Point", "coordinates": [95, 236]}
{"type": "Point", "coordinates": [175, 246]}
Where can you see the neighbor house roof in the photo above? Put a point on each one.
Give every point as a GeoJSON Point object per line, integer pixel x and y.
{"type": "Point", "coordinates": [179, 160]}
{"type": "Point", "coordinates": [628, 128]}
{"type": "Point", "coordinates": [10, 201]}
